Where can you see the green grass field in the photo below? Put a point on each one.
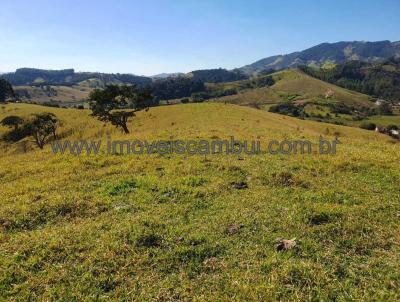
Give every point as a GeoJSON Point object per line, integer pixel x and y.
{"type": "Point", "coordinates": [174, 228]}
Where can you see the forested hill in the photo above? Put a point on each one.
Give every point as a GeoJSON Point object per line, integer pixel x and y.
{"type": "Point", "coordinates": [217, 75]}
{"type": "Point", "coordinates": [80, 83]}
{"type": "Point", "coordinates": [379, 79]}
{"type": "Point", "coordinates": [67, 77]}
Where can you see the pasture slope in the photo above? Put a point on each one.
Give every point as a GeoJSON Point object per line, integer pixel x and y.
{"type": "Point", "coordinates": [177, 228]}
{"type": "Point", "coordinates": [292, 84]}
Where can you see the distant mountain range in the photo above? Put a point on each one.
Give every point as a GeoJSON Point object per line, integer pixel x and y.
{"type": "Point", "coordinates": [326, 53]}
{"type": "Point", "coordinates": [320, 55]}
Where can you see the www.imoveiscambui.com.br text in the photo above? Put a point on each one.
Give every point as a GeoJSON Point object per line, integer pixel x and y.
{"type": "Point", "coordinates": [192, 147]}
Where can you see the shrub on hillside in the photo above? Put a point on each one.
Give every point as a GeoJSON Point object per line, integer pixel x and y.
{"type": "Point", "coordinates": [51, 104]}
{"type": "Point", "coordinates": [199, 97]}
{"type": "Point", "coordinates": [263, 82]}
{"type": "Point", "coordinates": [340, 108]}
{"type": "Point", "coordinates": [392, 127]}
{"type": "Point", "coordinates": [368, 126]}
{"type": "Point", "coordinates": [287, 109]}
{"type": "Point", "coordinates": [16, 134]}
{"type": "Point", "coordinates": [12, 121]}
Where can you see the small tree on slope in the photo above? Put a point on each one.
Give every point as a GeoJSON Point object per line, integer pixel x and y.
{"type": "Point", "coordinates": [116, 104]}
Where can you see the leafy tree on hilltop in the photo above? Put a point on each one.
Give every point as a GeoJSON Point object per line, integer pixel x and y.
{"type": "Point", "coordinates": [6, 90]}
{"type": "Point", "coordinates": [112, 104]}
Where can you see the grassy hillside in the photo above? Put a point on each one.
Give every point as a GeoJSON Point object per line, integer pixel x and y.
{"type": "Point", "coordinates": [176, 228]}
{"type": "Point", "coordinates": [292, 85]}
{"type": "Point", "coordinates": [62, 95]}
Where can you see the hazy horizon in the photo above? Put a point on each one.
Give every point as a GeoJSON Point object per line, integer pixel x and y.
{"type": "Point", "coordinates": [179, 36]}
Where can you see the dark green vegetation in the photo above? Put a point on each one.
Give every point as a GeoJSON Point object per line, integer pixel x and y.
{"type": "Point", "coordinates": [288, 109]}
{"type": "Point", "coordinates": [176, 87]}
{"type": "Point", "coordinates": [380, 79]}
{"type": "Point", "coordinates": [326, 54]}
{"type": "Point", "coordinates": [6, 90]}
{"type": "Point", "coordinates": [368, 126]}
{"type": "Point", "coordinates": [12, 121]}
{"type": "Point", "coordinates": [217, 75]}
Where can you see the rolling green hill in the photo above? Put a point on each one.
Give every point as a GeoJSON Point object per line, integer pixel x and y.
{"type": "Point", "coordinates": [291, 85]}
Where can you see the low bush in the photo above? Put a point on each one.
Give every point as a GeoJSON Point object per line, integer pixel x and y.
{"type": "Point", "coordinates": [368, 126]}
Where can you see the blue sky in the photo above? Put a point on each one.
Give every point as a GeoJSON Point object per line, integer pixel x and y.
{"type": "Point", "coordinates": [149, 37]}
